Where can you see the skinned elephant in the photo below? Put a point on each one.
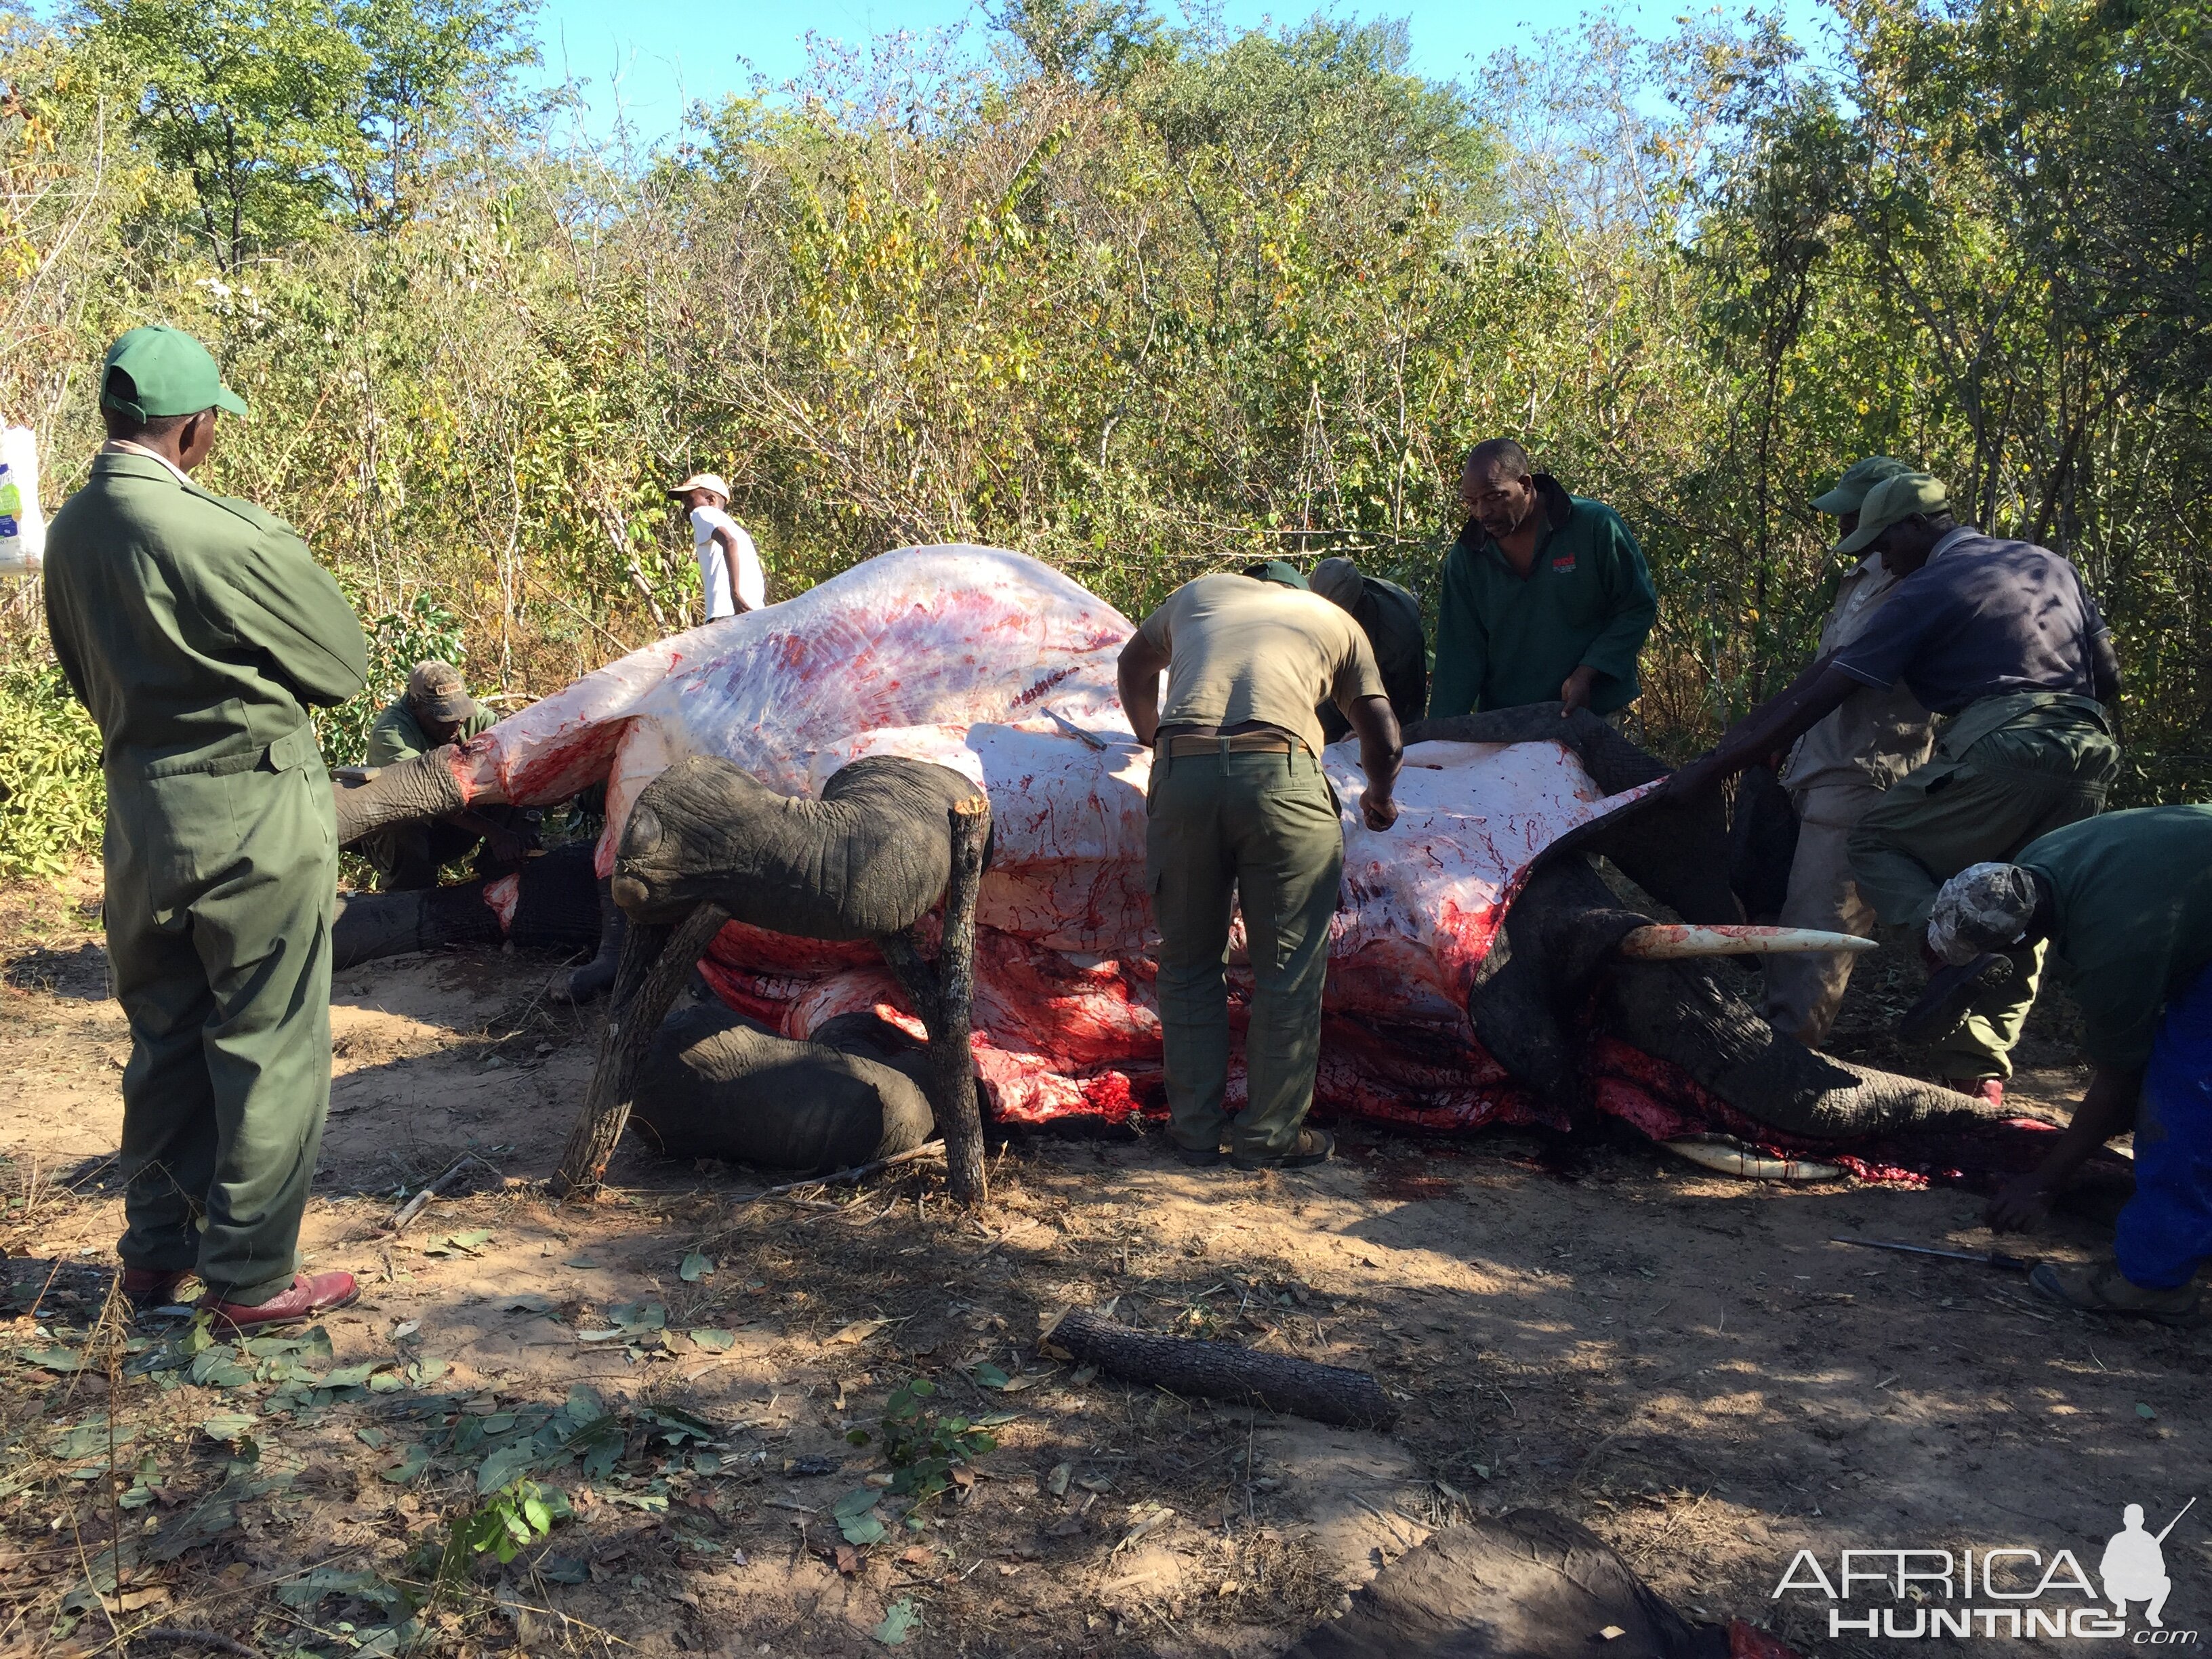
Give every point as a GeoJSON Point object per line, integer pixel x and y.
{"type": "Point", "coordinates": [793, 767]}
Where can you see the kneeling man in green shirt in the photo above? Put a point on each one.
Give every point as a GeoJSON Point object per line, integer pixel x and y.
{"type": "Point", "coordinates": [1239, 808]}
{"type": "Point", "coordinates": [436, 709]}
{"type": "Point", "coordinates": [2125, 903]}
{"type": "Point", "coordinates": [1546, 596]}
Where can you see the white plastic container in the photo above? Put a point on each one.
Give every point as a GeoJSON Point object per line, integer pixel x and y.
{"type": "Point", "coordinates": [23, 527]}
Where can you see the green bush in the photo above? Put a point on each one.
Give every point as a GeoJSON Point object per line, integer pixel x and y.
{"type": "Point", "coordinates": [55, 800]}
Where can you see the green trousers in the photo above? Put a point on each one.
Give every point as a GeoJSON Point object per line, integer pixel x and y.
{"type": "Point", "coordinates": [220, 889]}
{"type": "Point", "coordinates": [1264, 827]}
{"type": "Point", "coordinates": [1981, 797]}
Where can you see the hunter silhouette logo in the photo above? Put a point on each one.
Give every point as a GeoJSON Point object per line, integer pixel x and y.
{"type": "Point", "coordinates": [2134, 1567]}
{"type": "Point", "coordinates": [2018, 1592]}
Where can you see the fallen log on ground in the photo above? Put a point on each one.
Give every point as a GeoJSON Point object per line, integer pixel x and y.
{"type": "Point", "coordinates": [1222, 1370]}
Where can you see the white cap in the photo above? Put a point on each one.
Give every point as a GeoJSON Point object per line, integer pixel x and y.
{"type": "Point", "coordinates": [701, 481]}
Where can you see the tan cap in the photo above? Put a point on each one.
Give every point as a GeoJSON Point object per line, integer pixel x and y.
{"type": "Point", "coordinates": [1892, 502]}
{"type": "Point", "coordinates": [701, 481]}
{"type": "Point", "coordinates": [436, 692]}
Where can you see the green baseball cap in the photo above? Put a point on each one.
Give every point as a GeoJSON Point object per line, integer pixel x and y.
{"type": "Point", "coordinates": [155, 371]}
{"type": "Point", "coordinates": [1892, 502]}
{"type": "Point", "coordinates": [1850, 491]}
{"type": "Point", "coordinates": [1278, 570]}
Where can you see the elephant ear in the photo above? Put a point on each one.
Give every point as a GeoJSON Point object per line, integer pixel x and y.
{"type": "Point", "coordinates": [717, 1086]}
{"type": "Point", "coordinates": [1676, 852]}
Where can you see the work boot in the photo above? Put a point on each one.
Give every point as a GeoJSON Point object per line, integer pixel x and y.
{"type": "Point", "coordinates": [311, 1294]}
{"type": "Point", "coordinates": [2103, 1289]}
{"type": "Point", "coordinates": [1311, 1147]}
{"type": "Point", "coordinates": [149, 1288]}
{"type": "Point", "coordinates": [1198, 1158]}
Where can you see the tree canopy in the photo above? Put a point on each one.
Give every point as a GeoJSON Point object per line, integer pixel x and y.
{"type": "Point", "coordinates": [1144, 299]}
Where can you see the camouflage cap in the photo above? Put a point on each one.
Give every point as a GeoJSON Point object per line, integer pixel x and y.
{"type": "Point", "coordinates": [1986, 907]}
{"type": "Point", "coordinates": [1892, 502]}
{"type": "Point", "coordinates": [1860, 476]}
{"type": "Point", "coordinates": [436, 692]}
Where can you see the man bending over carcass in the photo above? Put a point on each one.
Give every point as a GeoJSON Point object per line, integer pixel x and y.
{"type": "Point", "coordinates": [1238, 804]}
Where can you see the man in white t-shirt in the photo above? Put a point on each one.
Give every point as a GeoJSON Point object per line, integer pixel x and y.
{"type": "Point", "coordinates": [729, 568]}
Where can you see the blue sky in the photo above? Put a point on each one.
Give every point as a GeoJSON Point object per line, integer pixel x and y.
{"type": "Point", "coordinates": [649, 59]}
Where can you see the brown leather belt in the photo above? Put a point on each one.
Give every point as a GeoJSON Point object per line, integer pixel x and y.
{"type": "Point", "coordinates": [1181, 744]}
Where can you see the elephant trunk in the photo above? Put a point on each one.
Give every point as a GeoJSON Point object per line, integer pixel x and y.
{"type": "Point", "coordinates": [422, 787]}
{"type": "Point", "coordinates": [1676, 1012]}
{"type": "Point", "coordinates": [869, 858]}
{"type": "Point", "coordinates": [367, 926]}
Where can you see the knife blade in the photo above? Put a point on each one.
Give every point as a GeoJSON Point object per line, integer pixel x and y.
{"type": "Point", "coordinates": [1997, 1259]}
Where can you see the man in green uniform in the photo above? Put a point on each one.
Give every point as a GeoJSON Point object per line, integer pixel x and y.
{"type": "Point", "coordinates": [2002, 639]}
{"type": "Point", "coordinates": [1546, 595]}
{"type": "Point", "coordinates": [435, 710]}
{"type": "Point", "coordinates": [2124, 903]}
{"type": "Point", "coordinates": [1239, 806]}
{"type": "Point", "coordinates": [198, 629]}
{"type": "Point", "coordinates": [1391, 619]}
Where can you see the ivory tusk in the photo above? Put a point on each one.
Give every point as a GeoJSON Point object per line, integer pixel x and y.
{"type": "Point", "coordinates": [1724, 1155]}
{"type": "Point", "coordinates": [1666, 942]}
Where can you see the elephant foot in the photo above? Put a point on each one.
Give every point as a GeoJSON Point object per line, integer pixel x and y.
{"type": "Point", "coordinates": [597, 977]}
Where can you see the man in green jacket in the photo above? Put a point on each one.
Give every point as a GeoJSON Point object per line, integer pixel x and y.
{"type": "Point", "coordinates": [436, 709]}
{"type": "Point", "coordinates": [1546, 595]}
{"type": "Point", "coordinates": [198, 629]}
{"type": "Point", "coordinates": [2124, 903]}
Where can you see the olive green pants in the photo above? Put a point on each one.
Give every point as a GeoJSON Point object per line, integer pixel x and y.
{"type": "Point", "coordinates": [1981, 802]}
{"type": "Point", "coordinates": [220, 889]}
{"type": "Point", "coordinates": [1264, 827]}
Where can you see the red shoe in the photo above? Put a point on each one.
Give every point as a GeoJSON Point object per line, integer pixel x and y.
{"type": "Point", "coordinates": [1989, 1091]}
{"type": "Point", "coordinates": [311, 1294]}
{"type": "Point", "coordinates": [151, 1287]}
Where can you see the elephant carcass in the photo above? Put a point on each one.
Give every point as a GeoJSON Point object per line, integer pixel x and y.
{"type": "Point", "coordinates": [923, 672]}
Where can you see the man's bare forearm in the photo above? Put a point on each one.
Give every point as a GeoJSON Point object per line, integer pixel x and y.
{"type": "Point", "coordinates": [1136, 675]}
{"type": "Point", "coordinates": [2107, 1109]}
{"type": "Point", "coordinates": [1381, 748]}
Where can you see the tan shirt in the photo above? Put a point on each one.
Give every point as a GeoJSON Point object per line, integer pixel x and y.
{"type": "Point", "coordinates": [1877, 736]}
{"type": "Point", "coordinates": [1242, 650]}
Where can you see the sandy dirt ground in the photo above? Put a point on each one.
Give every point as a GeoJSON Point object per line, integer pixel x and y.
{"type": "Point", "coordinates": [1687, 1364]}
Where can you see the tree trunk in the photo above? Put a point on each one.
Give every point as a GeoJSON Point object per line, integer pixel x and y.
{"type": "Point", "coordinates": [1222, 1370]}
{"type": "Point", "coordinates": [655, 961]}
{"type": "Point", "coordinates": [944, 997]}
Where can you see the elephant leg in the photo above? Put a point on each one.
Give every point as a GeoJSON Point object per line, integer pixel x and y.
{"type": "Point", "coordinates": [596, 977]}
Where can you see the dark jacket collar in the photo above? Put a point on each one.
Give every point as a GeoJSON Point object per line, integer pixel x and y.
{"type": "Point", "coordinates": [1552, 499]}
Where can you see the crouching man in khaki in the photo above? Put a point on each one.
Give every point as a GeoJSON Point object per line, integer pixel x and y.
{"type": "Point", "coordinates": [1239, 807]}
